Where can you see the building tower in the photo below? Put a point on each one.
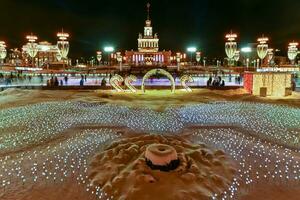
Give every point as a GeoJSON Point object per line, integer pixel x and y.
{"type": "Point", "coordinates": [148, 53]}
{"type": "Point", "coordinates": [148, 42]}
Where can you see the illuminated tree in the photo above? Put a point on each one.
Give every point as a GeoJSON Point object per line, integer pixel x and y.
{"type": "Point", "coordinates": [231, 47]}
{"type": "Point", "coordinates": [32, 47]}
{"type": "Point", "coordinates": [63, 46]}
{"type": "Point", "coordinates": [3, 52]}
{"type": "Point", "coordinates": [262, 48]}
{"type": "Point", "coordinates": [293, 51]}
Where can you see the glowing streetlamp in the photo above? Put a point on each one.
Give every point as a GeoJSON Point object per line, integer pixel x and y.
{"type": "Point", "coordinates": [120, 59]}
{"type": "Point", "coordinates": [231, 47]}
{"type": "Point", "coordinates": [63, 46]}
{"type": "Point", "coordinates": [178, 60]}
{"type": "Point", "coordinates": [191, 50]}
{"type": "Point", "coordinates": [247, 51]}
{"type": "Point", "coordinates": [3, 52]}
{"type": "Point", "coordinates": [293, 51]}
{"type": "Point", "coordinates": [32, 47]}
{"type": "Point", "coordinates": [198, 56]}
{"type": "Point", "coordinates": [236, 57]}
{"type": "Point", "coordinates": [262, 48]}
{"type": "Point", "coordinates": [270, 55]}
{"type": "Point", "coordinates": [99, 56]}
{"type": "Point", "coordinates": [109, 50]}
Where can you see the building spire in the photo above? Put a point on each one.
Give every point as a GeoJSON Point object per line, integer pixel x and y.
{"type": "Point", "coordinates": [148, 10]}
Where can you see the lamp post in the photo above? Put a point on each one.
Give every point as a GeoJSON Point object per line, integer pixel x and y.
{"type": "Point", "coordinates": [270, 56]}
{"type": "Point", "coordinates": [3, 52]}
{"type": "Point", "coordinates": [262, 48]}
{"type": "Point", "coordinates": [120, 59]}
{"type": "Point", "coordinates": [198, 57]}
{"type": "Point", "coordinates": [192, 50]}
{"type": "Point", "coordinates": [293, 52]}
{"type": "Point", "coordinates": [247, 51]}
{"type": "Point", "coordinates": [178, 60]}
{"type": "Point", "coordinates": [99, 56]}
{"type": "Point", "coordinates": [32, 47]}
{"type": "Point", "coordinates": [236, 57]}
{"type": "Point", "coordinates": [230, 47]}
{"type": "Point", "coordinates": [63, 46]}
{"type": "Point", "coordinates": [108, 50]}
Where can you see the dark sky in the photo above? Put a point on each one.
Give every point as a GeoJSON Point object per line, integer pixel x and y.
{"type": "Point", "coordinates": [93, 24]}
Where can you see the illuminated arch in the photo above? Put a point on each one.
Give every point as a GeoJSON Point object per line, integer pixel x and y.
{"type": "Point", "coordinates": [158, 71]}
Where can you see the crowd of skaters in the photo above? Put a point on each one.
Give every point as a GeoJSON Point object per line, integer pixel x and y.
{"type": "Point", "coordinates": [11, 78]}
{"type": "Point", "coordinates": [55, 82]}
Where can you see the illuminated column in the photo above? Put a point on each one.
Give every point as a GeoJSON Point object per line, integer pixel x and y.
{"type": "Point", "coordinates": [230, 47]}
{"type": "Point", "coordinates": [3, 52]}
{"type": "Point", "coordinates": [32, 47]}
{"type": "Point", "coordinates": [63, 46]}
{"type": "Point", "coordinates": [292, 52]}
{"type": "Point", "coordinates": [262, 48]}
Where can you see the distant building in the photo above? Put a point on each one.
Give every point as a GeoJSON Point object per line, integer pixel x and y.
{"type": "Point", "coordinates": [47, 54]}
{"type": "Point", "coordinates": [148, 49]}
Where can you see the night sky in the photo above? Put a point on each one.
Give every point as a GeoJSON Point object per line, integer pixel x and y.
{"type": "Point", "coordinates": [93, 24]}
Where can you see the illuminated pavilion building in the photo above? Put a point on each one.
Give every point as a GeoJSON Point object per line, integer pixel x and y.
{"type": "Point", "coordinates": [148, 49]}
{"type": "Point", "coordinates": [46, 54]}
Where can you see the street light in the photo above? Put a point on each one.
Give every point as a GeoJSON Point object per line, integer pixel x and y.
{"type": "Point", "coordinates": [198, 56]}
{"type": "Point", "coordinates": [99, 56]}
{"type": "Point", "coordinates": [293, 51]}
{"type": "Point", "coordinates": [192, 50]}
{"type": "Point", "coordinates": [32, 47]}
{"type": "Point", "coordinates": [262, 48]}
{"type": "Point", "coordinates": [178, 59]}
{"type": "Point", "coordinates": [63, 46]}
{"type": "Point", "coordinates": [108, 50]}
{"type": "Point", "coordinates": [3, 52]}
{"type": "Point", "coordinates": [270, 55]}
{"type": "Point", "coordinates": [247, 51]}
{"type": "Point", "coordinates": [120, 59]}
{"type": "Point", "coordinates": [236, 57]}
{"type": "Point", "coordinates": [230, 46]}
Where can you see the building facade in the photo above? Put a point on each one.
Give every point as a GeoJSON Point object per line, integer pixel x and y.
{"type": "Point", "coordinates": [148, 53]}
{"type": "Point", "coordinates": [47, 54]}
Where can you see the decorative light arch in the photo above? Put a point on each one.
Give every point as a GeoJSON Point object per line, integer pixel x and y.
{"type": "Point", "coordinates": [158, 71]}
